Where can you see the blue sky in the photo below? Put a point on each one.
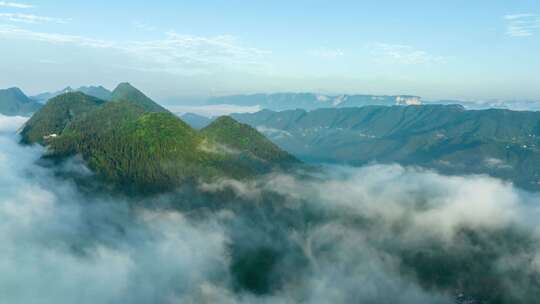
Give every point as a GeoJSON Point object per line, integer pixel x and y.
{"type": "Point", "coordinates": [451, 49]}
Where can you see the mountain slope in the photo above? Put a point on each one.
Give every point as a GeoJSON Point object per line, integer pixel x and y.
{"type": "Point", "coordinates": [451, 139]}
{"type": "Point", "coordinates": [14, 102]}
{"type": "Point", "coordinates": [133, 148]}
{"type": "Point", "coordinates": [142, 151]}
{"type": "Point", "coordinates": [126, 91]}
{"type": "Point", "coordinates": [56, 115]}
{"type": "Point", "coordinates": [241, 137]}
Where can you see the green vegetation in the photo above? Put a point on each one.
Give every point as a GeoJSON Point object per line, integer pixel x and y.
{"type": "Point", "coordinates": [141, 149]}
{"type": "Point", "coordinates": [14, 102]}
{"type": "Point", "coordinates": [134, 149]}
{"type": "Point", "coordinates": [126, 91]}
{"type": "Point", "coordinates": [502, 143]}
{"type": "Point", "coordinates": [242, 137]}
{"type": "Point", "coordinates": [56, 115]}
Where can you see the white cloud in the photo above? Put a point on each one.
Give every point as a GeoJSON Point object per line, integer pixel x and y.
{"type": "Point", "coordinates": [32, 19]}
{"type": "Point", "coordinates": [20, 33]}
{"type": "Point", "coordinates": [410, 209]}
{"type": "Point", "coordinates": [402, 54]}
{"type": "Point", "coordinates": [214, 110]}
{"type": "Point", "coordinates": [11, 123]}
{"type": "Point", "coordinates": [143, 26]}
{"type": "Point", "coordinates": [448, 199]}
{"type": "Point", "coordinates": [273, 132]}
{"type": "Point", "coordinates": [496, 163]}
{"type": "Point", "coordinates": [522, 25]}
{"type": "Point", "coordinates": [195, 51]}
{"type": "Point", "coordinates": [345, 236]}
{"type": "Point", "coordinates": [15, 4]}
{"type": "Point", "coordinates": [175, 53]}
{"type": "Point", "coordinates": [50, 253]}
{"type": "Point", "coordinates": [326, 53]}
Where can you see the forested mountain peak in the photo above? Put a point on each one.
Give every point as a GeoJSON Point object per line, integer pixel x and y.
{"type": "Point", "coordinates": [140, 148]}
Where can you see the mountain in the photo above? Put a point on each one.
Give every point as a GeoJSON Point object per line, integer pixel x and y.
{"type": "Point", "coordinates": [53, 118]}
{"type": "Point", "coordinates": [44, 97]}
{"type": "Point", "coordinates": [133, 148]}
{"type": "Point", "coordinates": [126, 91]}
{"type": "Point", "coordinates": [502, 143]}
{"type": "Point", "coordinates": [95, 91]}
{"type": "Point", "coordinates": [196, 121]}
{"type": "Point", "coordinates": [516, 105]}
{"type": "Point", "coordinates": [245, 142]}
{"type": "Point", "coordinates": [14, 102]}
{"type": "Point", "coordinates": [310, 101]}
{"type": "Point", "coordinates": [139, 148]}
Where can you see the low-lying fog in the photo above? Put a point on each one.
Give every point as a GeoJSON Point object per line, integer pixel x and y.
{"type": "Point", "coordinates": [376, 234]}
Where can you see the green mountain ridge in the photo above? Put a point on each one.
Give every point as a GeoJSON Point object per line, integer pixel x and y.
{"type": "Point", "coordinates": [501, 143]}
{"type": "Point", "coordinates": [14, 102]}
{"type": "Point", "coordinates": [53, 118]}
{"type": "Point", "coordinates": [243, 137]}
{"type": "Point", "coordinates": [125, 91]}
{"type": "Point", "coordinates": [139, 147]}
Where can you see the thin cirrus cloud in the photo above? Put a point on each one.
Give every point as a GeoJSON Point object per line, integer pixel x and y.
{"type": "Point", "coordinates": [175, 53]}
{"type": "Point", "coordinates": [15, 5]}
{"type": "Point", "coordinates": [402, 54]}
{"type": "Point", "coordinates": [23, 34]}
{"type": "Point", "coordinates": [522, 25]}
{"type": "Point", "coordinates": [327, 53]}
{"type": "Point", "coordinates": [143, 26]}
{"type": "Point", "coordinates": [31, 19]}
{"type": "Point", "coordinates": [189, 48]}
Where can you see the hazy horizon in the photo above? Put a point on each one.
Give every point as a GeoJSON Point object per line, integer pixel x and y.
{"type": "Point", "coordinates": [178, 49]}
{"type": "Point", "coordinates": [194, 100]}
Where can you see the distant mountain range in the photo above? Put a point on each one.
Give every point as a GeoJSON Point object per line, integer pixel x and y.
{"type": "Point", "coordinates": [502, 143]}
{"type": "Point", "coordinates": [516, 105]}
{"type": "Point", "coordinates": [139, 147]}
{"type": "Point", "coordinates": [14, 102]}
{"type": "Point", "coordinates": [95, 91]}
{"type": "Point", "coordinates": [310, 101]}
{"type": "Point", "coordinates": [448, 138]}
